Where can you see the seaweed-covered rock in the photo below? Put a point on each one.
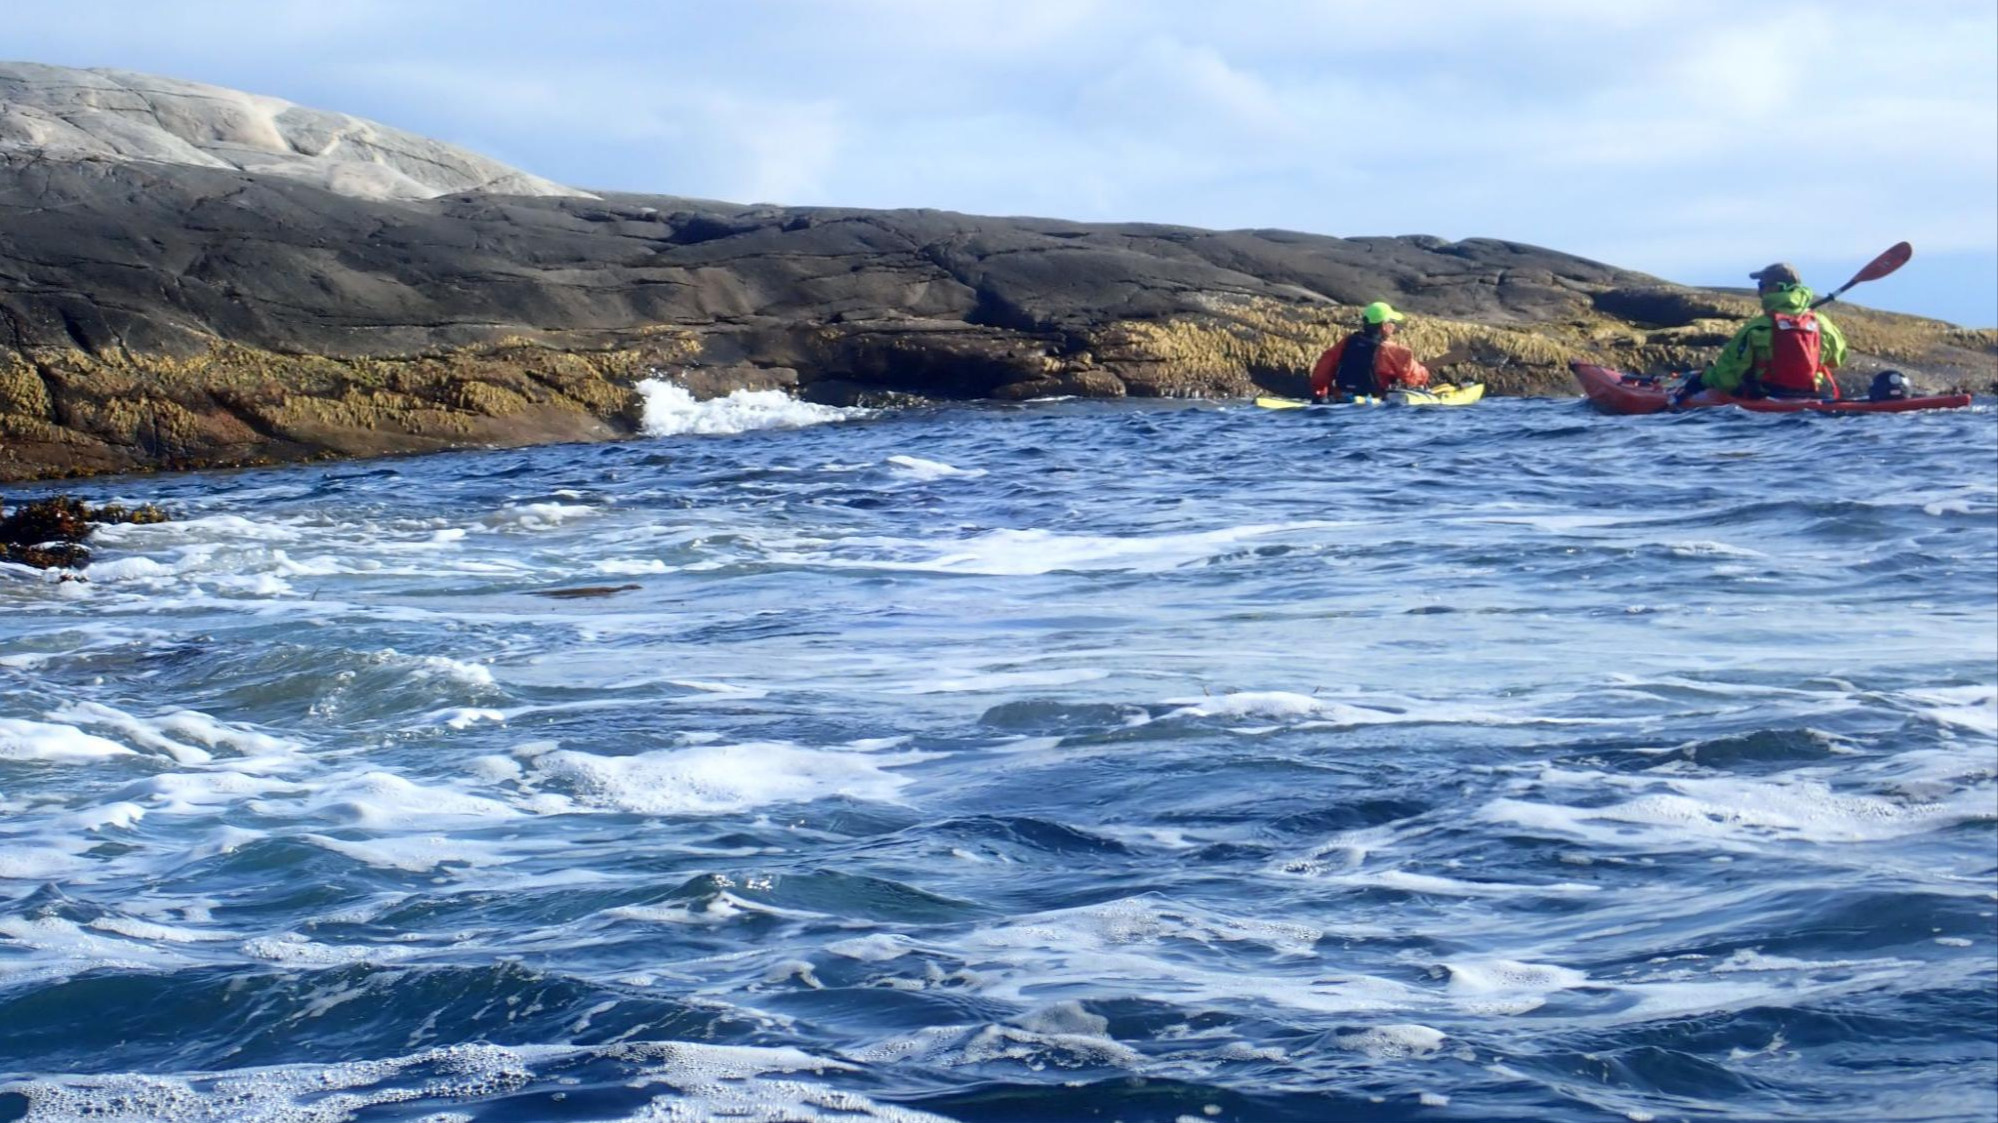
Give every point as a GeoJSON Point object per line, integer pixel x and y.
{"type": "Point", "coordinates": [50, 533]}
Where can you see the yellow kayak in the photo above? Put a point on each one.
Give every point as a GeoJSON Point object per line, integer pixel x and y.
{"type": "Point", "coordinates": [1444, 394]}
{"type": "Point", "coordinates": [1440, 395]}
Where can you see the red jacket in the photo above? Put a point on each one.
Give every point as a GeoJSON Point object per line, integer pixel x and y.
{"type": "Point", "coordinates": [1394, 367]}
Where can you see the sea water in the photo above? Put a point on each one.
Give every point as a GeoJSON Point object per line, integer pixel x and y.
{"type": "Point", "coordinates": [1064, 760]}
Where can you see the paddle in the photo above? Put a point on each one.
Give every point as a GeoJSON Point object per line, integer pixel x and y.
{"type": "Point", "coordinates": [1451, 357]}
{"type": "Point", "coordinates": [1896, 256]}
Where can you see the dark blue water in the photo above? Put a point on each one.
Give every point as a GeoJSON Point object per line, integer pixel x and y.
{"type": "Point", "coordinates": [1068, 761]}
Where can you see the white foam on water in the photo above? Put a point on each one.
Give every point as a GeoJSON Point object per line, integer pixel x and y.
{"type": "Point", "coordinates": [188, 793]}
{"type": "Point", "coordinates": [1308, 711]}
{"type": "Point", "coordinates": [196, 528]}
{"type": "Point", "coordinates": [155, 932]}
{"type": "Point", "coordinates": [538, 516]}
{"type": "Point", "coordinates": [1346, 850]}
{"type": "Point", "coordinates": [80, 949]}
{"type": "Point", "coordinates": [143, 733]}
{"type": "Point", "coordinates": [497, 769]}
{"type": "Point", "coordinates": [719, 688]}
{"type": "Point", "coordinates": [418, 853]}
{"type": "Point", "coordinates": [294, 950]}
{"type": "Point", "coordinates": [671, 411]}
{"type": "Point", "coordinates": [878, 948]}
{"type": "Point", "coordinates": [1025, 553]}
{"type": "Point", "coordinates": [123, 816]}
{"type": "Point", "coordinates": [172, 731]}
{"type": "Point", "coordinates": [918, 468]}
{"type": "Point", "coordinates": [1010, 680]}
{"type": "Point", "coordinates": [225, 560]}
{"type": "Point", "coordinates": [633, 567]}
{"type": "Point", "coordinates": [1278, 704]}
{"type": "Point", "coordinates": [465, 717]}
{"type": "Point", "coordinates": [721, 908]}
{"type": "Point", "coordinates": [707, 1081]}
{"type": "Point", "coordinates": [1752, 959]}
{"type": "Point", "coordinates": [1507, 986]}
{"type": "Point", "coordinates": [21, 861]}
{"type": "Point", "coordinates": [261, 585]}
{"type": "Point", "coordinates": [1972, 708]}
{"type": "Point", "coordinates": [730, 1082]}
{"type": "Point", "coordinates": [1676, 996]}
{"type": "Point", "coordinates": [723, 779]}
{"type": "Point", "coordinates": [222, 840]}
{"type": "Point", "coordinates": [1141, 921]}
{"type": "Point", "coordinates": [118, 570]}
{"type": "Point", "coordinates": [378, 800]}
{"type": "Point", "coordinates": [959, 1045]}
{"type": "Point", "coordinates": [1939, 502]}
{"type": "Point", "coordinates": [1702, 548]}
{"type": "Point", "coordinates": [1068, 1017]}
{"type": "Point", "coordinates": [1136, 947]}
{"type": "Point", "coordinates": [1435, 885]}
{"type": "Point", "coordinates": [1554, 524]}
{"type": "Point", "coordinates": [1731, 812]}
{"type": "Point", "coordinates": [443, 666]}
{"type": "Point", "coordinates": [1394, 1042]}
{"type": "Point", "coordinates": [21, 739]}
{"type": "Point", "coordinates": [326, 565]}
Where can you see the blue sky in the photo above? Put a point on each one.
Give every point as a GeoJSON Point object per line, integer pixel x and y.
{"type": "Point", "coordinates": [1690, 139]}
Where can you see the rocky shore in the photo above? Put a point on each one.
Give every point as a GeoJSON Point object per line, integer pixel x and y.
{"type": "Point", "coordinates": [196, 277]}
{"type": "Point", "coordinates": [50, 533]}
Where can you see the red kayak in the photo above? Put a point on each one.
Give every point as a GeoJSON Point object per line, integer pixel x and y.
{"type": "Point", "coordinates": [1615, 392]}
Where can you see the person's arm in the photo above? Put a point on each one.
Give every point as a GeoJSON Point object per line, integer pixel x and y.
{"type": "Point", "coordinates": [1831, 356]}
{"type": "Point", "coordinates": [1416, 375]}
{"type": "Point", "coordinates": [1321, 372]}
{"type": "Point", "coordinates": [1831, 351]}
{"type": "Point", "coordinates": [1737, 359]}
{"type": "Point", "coordinates": [1396, 367]}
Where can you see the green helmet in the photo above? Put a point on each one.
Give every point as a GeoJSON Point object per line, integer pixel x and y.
{"type": "Point", "coordinates": [1379, 312]}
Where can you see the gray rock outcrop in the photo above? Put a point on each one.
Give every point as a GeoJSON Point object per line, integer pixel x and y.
{"type": "Point", "coordinates": [70, 114]}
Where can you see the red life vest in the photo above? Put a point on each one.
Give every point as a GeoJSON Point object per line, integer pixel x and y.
{"type": "Point", "coordinates": [1794, 346]}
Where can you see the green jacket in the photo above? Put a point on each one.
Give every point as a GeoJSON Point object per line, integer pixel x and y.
{"type": "Point", "coordinates": [1750, 346]}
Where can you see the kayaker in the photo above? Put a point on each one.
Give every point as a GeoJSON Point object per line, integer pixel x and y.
{"type": "Point", "coordinates": [1787, 352]}
{"type": "Point", "coordinates": [1367, 362]}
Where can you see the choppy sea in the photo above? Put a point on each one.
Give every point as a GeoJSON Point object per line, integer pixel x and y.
{"type": "Point", "coordinates": [1060, 761]}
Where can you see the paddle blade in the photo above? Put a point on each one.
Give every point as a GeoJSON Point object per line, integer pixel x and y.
{"type": "Point", "coordinates": [1895, 257]}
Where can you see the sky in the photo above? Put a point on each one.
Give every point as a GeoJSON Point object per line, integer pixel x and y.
{"type": "Point", "coordinates": [1695, 140]}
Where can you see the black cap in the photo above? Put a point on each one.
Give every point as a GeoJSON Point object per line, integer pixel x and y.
{"type": "Point", "coordinates": [1781, 273]}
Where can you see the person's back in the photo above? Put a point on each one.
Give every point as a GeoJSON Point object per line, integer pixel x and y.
{"type": "Point", "coordinates": [1789, 351]}
{"type": "Point", "coordinates": [1368, 362]}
